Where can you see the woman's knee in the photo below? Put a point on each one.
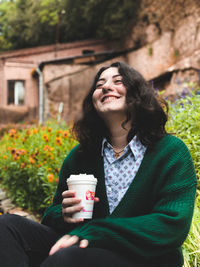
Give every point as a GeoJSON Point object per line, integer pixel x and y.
{"type": "Point", "coordinates": [85, 257]}
{"type": "Point", "coordinates": [72, 256]}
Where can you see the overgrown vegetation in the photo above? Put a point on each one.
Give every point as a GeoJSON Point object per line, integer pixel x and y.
{"type": "Point", "coordinates": [185, 123]}
{"type": "Point", "coordinates": [28, 23]}
{"type": "Point", "coordinates": [30, 161]}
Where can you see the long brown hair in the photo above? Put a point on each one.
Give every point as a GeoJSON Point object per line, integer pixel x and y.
{"type": "Point", "coordinates": [148, 115]}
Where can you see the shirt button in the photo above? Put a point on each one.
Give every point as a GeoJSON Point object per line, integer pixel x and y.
{"type": "Point", "coordinates": [109, 189]}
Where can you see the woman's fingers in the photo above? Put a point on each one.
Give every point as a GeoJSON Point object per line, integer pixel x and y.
{"type": "Point", "coordinates": [64, 242]}
{"type": "Point", "coordinates": [96, 199]}
{"type": "Point", "coordinates": [68, 202]}
{"type": "Point", "coordinates": [68, 193]}
{"type": "Point", "coordinates": [83, 243]}
{"type": "Point", "coordinates": [69, 219]}
{"type": "Point", "coordinates": [70, 205]}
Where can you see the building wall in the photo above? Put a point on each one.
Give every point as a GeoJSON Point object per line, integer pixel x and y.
{"type": "Point", "coordinates": [21, 64]}
{"type": "Point", "coordinates": [21, 71]}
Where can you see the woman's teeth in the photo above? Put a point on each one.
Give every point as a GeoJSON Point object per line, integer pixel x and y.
{"type": "Point", "coordinates": [108, 98]}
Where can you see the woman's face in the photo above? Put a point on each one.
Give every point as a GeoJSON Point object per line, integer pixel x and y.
{"type": "Point", "coordinates": [110, 93]}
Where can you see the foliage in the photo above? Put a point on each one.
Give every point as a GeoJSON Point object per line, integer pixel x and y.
{"type": "Point", "coordinates": [4, 9]}
{"type": "Point", "coordinates": [30, 161]}
{"type": "Point", "coordinates": [191, 247]}
{"type": "Point", "coordinates": [30, 23]}
{"type": "Point", "coordinates": [185, 123]}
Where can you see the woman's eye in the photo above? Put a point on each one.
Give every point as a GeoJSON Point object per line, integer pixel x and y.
{"type": "Point", "coordinates": [99, 85]}
{"type": "Point", "coordinates": [118, 81]}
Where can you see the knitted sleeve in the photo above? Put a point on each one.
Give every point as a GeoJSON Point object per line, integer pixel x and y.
{"type": "Point", "coordinates": [161, 230]}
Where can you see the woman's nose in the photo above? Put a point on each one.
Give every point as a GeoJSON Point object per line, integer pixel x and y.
{"type": "Point", "coordinates": [106, 87]}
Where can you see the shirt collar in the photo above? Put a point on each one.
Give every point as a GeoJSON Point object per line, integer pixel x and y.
{"type": "Point", "coordinates": [135, 145]}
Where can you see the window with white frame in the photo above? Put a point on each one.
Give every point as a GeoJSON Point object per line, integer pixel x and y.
{"type": "Point", "coordinates": [16, 92]}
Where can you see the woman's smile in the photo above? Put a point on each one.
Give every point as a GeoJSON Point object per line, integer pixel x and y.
{"type": "Point", "coordinates": [109, 98]}
{"type": "Point", "coordinates": [110, 93]}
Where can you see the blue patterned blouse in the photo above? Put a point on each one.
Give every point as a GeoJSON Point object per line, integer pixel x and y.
{"type": "Point", "coordinates": [120, 172]}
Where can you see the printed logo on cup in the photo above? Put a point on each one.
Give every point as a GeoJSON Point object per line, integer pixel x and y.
{"type": "Point", "coordinates": [90, 195]}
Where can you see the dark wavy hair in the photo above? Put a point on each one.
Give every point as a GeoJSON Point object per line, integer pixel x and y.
{"type": "Point", "coordinates": [147, 113]}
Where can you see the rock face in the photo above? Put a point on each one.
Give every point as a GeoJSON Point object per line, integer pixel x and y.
{"type": "Point", "coordinates": [166, 43]}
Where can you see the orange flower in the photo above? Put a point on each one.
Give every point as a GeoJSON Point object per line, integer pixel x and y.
{"type": "Point", "coordinates": [12, 132]}
{"type": "Point", "coordinates": [21, 151]}
{"type": "Point", "coordinates": [31, 160]}
{"type": "Point", "coordinates": [45, 137]}
{"type": "Point", "coordinates": [23, 165]}
{"type": "Point", "coordinates": [57, 180]}
{"type": "Point", "coordinates": [4, 156]}
{"type": "Point", "coordinates": [58, 141]}
{"type": "Point", "coordinates": [50, 177]}
{"type": "Point", "coordinates": [48, 148]}
{"type": "Point", "coordinates": [35, 131]}
{"type": "Point", "coordinates": [28, 132]}
{"type": "Point", "coordinates": [49, 129]}
{"type": "Point", "coordinates": [39, 165]}
{"type": "Point", "coordinates": [65, 134]}
{"type": "Point", "coordinates": [16, 157]}
{"type": "Point", "coordinates": [13, 151]}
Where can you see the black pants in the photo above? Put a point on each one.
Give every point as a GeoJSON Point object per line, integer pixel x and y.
{"type": "Point", "coordinates": [25, 243]}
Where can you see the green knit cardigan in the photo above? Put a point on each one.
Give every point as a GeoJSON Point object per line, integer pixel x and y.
{"type": "Point", "coordinates": [151, 222]}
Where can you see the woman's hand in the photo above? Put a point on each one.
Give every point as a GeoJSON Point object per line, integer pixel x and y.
{"type": "Point", "coordinates": [68, 241]}
{"type": "Point", "coordinates": [70, 205]}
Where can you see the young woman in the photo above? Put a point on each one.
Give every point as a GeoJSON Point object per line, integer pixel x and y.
{"type": "Point", "coordinates": [145, 192]}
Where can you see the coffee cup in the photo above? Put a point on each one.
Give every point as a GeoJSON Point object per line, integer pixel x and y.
{"type": "Point", "coordinates": [84, 186]}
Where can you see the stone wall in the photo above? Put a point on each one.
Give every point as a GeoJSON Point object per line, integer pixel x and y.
{"type": "Point", "coordinates": [12, 114]}
{"type": "Point", "coordinates": [166, 39]}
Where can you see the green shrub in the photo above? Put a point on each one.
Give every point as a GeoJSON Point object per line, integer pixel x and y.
{"type": "Point", "coordinates": [184, 122]}
{"type": "Point", "coordinates": [30, 161]}
{"type": "Point", "coordinates": [191, 247]}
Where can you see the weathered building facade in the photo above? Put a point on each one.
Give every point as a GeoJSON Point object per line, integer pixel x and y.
{"type": "Point", "coordinates": [19, 89]}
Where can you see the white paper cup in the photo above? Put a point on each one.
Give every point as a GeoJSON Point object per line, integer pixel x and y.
{"type": "Point", "coordinates": [84, 185]}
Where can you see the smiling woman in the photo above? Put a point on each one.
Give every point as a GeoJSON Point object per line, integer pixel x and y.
{"type": "Point", "coordinates": [145, 191]}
